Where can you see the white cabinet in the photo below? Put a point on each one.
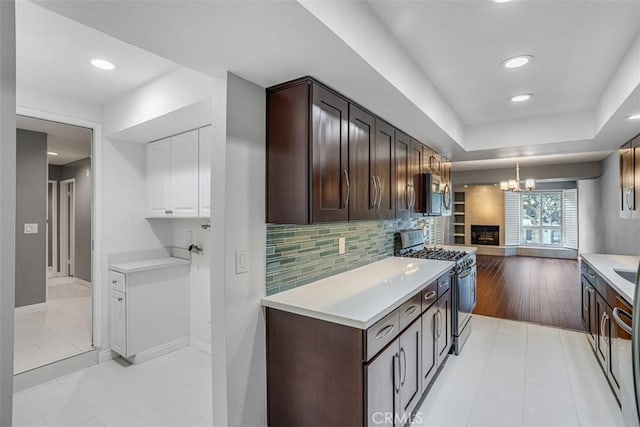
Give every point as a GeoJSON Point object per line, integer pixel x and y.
{"type": "Point", "coordinates": [158, 168]}
{"type": "Point", "coordinates": [204, 170]}
{"type": "Point", "coordinates": [118, 322]}
{"type": "Point", "coordinates": [174, 177]}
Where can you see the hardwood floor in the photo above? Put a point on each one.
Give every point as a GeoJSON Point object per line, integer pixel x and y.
{"type": "Point", "coordinates": [537, 290]}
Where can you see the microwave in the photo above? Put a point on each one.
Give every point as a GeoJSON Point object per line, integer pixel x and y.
{"type": "Point", "coordinates": [431, 201]}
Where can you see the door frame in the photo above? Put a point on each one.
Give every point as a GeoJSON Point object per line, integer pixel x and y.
{"type": "Point", "coordinates": [53, 223]}
{"type": "Point", "coordinates": [97, 260]}
{"type": "Point", "coordinates": [68, 216]}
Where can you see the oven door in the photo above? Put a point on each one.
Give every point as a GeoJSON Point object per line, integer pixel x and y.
{"type": "Point", "coordinates": [466, 296]}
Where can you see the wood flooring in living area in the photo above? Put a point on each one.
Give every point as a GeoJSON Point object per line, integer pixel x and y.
{"type": "Point", "coordinates": [545, 291]}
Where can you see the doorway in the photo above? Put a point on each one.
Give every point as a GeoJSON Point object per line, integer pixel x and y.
{"type": "Point", "coordinates": [54, 256]}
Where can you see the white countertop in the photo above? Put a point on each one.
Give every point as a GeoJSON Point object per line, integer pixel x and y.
{"type": "Point", "coordinates": [148, 264]}
{"type": "Point", "coordinates": [604, 266]}
{"type": "Point", "coordinates": [360, 297]}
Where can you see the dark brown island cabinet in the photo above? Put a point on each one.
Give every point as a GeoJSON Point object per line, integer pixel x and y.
{"type": "Point", "coordinates": [329, 159]}
{"type": "Point", "coordinates": [321, 373]}
{"type": "Point", "coordinates": [598, 303]}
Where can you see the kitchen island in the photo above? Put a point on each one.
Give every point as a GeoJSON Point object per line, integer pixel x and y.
{"type": "Point", "coordinates": [358, 348]}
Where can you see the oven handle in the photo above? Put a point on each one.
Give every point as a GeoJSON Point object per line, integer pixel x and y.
{"type": "Point", "coordinates": [616, 316]}
{"type": "Point", "coordinates": [467, 274]}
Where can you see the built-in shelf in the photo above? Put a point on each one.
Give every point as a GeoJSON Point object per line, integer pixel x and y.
{"type": "Point", "coordinates": [458, 217]}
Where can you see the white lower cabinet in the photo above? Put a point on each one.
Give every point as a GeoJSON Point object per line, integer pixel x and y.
{"type": "Point", "coordinates": [152, 314]}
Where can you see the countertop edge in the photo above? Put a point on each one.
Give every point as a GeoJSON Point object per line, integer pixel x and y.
{"type": "Point", "coordinates": [355, 323]}
{"type": "Point", "coordinates": [171, 262]}
{"type": "Point", "coordinates": [605, 275]}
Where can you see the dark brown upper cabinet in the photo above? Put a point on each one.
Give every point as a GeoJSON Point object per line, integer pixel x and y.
{"type": "Point", "coordinates": [384, 170]}
{"type": "Point", "coordinates": [330, 160]}
{"type": "Point", "coordinates": [627, 181]}
{"type": "Point", "coordinates": [403, 184]}
{"type": "Point", "coordinates": [364, 195]}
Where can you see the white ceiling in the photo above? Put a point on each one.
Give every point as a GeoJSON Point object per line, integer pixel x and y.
{"type": "Point", "coordinates": [460, 45]}
{"type": "Point", "coordinates": [52, 53]}
{"type": "Point", "coordinates": [70, 142]}
{"type": "Point", "coordinates": [431, 68]}
{"type": "Point", "coordinates": [554, 159]}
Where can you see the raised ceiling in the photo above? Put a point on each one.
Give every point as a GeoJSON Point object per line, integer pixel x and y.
{"type": "Point", "coordinates": [431, 68]}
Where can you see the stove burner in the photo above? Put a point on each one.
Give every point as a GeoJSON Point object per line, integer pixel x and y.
{"type": "Point", "coordinates": [436, 253]}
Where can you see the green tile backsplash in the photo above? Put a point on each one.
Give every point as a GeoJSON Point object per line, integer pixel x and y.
{"type": "Point", "coordinates": [300, 254]}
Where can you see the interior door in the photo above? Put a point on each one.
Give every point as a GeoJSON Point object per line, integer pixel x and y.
{"type": "Point", "coordinates": [384, 169]}
{"type": "Point", "coordinates": [403, 185]}
{"type": "Point", "coordinates": [410, 381]}
{"type": "Point", "coordinates": [383, 387]}
{"type": "Point", "coordinates": [330, 165]}
{"type": "Point", "coordinates": [364, 195]}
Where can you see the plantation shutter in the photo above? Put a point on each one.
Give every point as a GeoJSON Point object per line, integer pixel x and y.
{"type": "Point", "coordinates": [512, 219]}
{"type": "Point", "coordinates": [570, 220]}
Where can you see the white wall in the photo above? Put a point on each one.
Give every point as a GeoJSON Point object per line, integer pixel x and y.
{"type": "Point", "coordinates": [590, 233]}
{"type": "Point", "coordinates": [622, 236]}
{"type": "Point", "coordinates": [7, 204]}
{"type": "Point", "coordinates": [44, 101]}
{"type": "Point", "coordinates": [185, 232]}
{"type": "Point", "coordinates": [238, 219]}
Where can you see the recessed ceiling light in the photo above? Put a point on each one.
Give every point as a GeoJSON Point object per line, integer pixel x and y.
{"type": "Point", "coordinates": [635, 116]}
{"type": "Point", "coordinates": [502, 1]}
{"type": "Point", "coordinates": [52, 153]}
{"type": "Point", "coordinates": [103, 64]}
{"type": "Point", "coordinates": [517, 61]}
{"type": "Point", "coordinates": [521, 97]}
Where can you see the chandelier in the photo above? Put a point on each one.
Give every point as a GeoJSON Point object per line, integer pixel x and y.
{"type": "Point", "coordinates": [514, 184]}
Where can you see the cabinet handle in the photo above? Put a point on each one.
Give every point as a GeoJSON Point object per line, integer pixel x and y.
{"type": "Point", "coordinates": [410, 310]}
{"type": "Point", "coordinates": [346, 198]}
{"type": "Point", "coordinates": [607, 325]}
{"type": "Point", "coordinates": [374, 188]}
{"type": "Point", "coordinates": [591, 289]}
{"type": "Point", "coordinates": [384, 331]}
{"type": "Point", "coordinates": [437, 320]}
{"type": "Point", "coordinates": [629, 194]}
{"type": "Point", "coordinates": [380, 187]}
{"type": "Point", "coordinates": [429, 295]}
{"type": "Point", "coordinates": [407, 196]}
{"type": "Point", "coordinates": [585, 297]}
{"type": "Point", "coordinates": [602, 321]}
{"type": "Point", "coordinates": [403, 367]}
{"type": "Point", "coordinates": [396, 372]}
{"type": "Point", "coordinates": [616, 316]}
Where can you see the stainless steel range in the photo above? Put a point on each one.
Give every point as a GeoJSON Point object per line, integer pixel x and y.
{"type": "Point", "coordinates": [464, 284]}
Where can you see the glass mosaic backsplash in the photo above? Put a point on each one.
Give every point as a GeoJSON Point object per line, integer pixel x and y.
{"type": "Point", "coordinates": [301, 254]}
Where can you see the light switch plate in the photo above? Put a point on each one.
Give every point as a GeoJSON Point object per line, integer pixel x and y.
{"type": "Point", "coordinates": [31, 228]}
{"type": "Point", "coordinates": [242, 261]}
{"type": "Point", "coordinates": [341, 246]}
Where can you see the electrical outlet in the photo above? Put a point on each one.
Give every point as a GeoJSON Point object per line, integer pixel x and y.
{"type": "Point", "coordinates": [341, 246]}
{"type": "Point", "coordinates": [31, 228]}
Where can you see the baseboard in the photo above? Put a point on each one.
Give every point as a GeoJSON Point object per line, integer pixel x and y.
{"type": "Point", "coordinates": [158, 351]}
{"type": "Point", "coordinates": [33, 377]}
{"type": "Point", "coordinates": [200, 345]}
{"type": "Point", "coordinates": [105, 355]}
{"type": "Point", "coordinates": [33, 308]}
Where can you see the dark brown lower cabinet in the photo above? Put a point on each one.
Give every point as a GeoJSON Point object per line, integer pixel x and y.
{"type": "Point", "coordinates": [603, 341]}
{"type": "Point", "coordinates": [589, 310]}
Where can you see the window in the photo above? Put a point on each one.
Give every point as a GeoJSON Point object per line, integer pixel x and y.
{"type": "Point", "coordinates": [541, 219]}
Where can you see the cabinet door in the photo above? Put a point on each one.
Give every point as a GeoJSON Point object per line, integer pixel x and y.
{"type": "Point", "coordinates": [384, 170]}
{"type": "Point", "coordinates": [410, 381]}
{"type": "Point", "coordinates": [363, 192]}
{"type": "Point", "coordinates": [158, 157]}
{"type": "Point", "coordinates": [603, 337]}
{"type": "Point", "coordinates": [204, 171]}
{"type": "Point", "coordinates": [118, 322]}
{"type": "Point", "coordinates": [330, 166]}
{"type": "Point", "coordinates": [429, 345]}
{"type": "Point", "coordinates": [443, 325]}
{"type": "Point", "coordinates": [403, 185]}
{"type": "Point", "coordinates": [184, 174]}
{"type": "Point", "coordinates": [636, 174]}
{"type": "Point", "coordinates": [415, 171]}
{"type": "Point", "coordinates": [383, 387]}
{"type": "Point", "coordinates": [588, 310]}
{"type": "Point", "coordinates": [620, 339]}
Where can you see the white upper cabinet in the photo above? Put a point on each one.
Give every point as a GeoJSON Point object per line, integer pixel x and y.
{"type": "Point", "coordinates": [205, 170]}
{"type": "Point", "coordinates": [158, 177]}
{"type": "Point", "coordinates": [184, 174]}
{"type": "Point", "coordinates": [176, 174]}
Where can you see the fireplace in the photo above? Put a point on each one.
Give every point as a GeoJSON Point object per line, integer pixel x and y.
{"type": "Point", "coordinates": [485, 235]}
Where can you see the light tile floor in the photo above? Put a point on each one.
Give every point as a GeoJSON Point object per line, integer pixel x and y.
{"type": "Point", "coordinates": [518, 374]}
{"type": "Point", "coordinates": [509, 374]}
{"type": "Point", "coordinates": [60, 331]}
{"type": "Point", "coordinates": [173, 390]}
